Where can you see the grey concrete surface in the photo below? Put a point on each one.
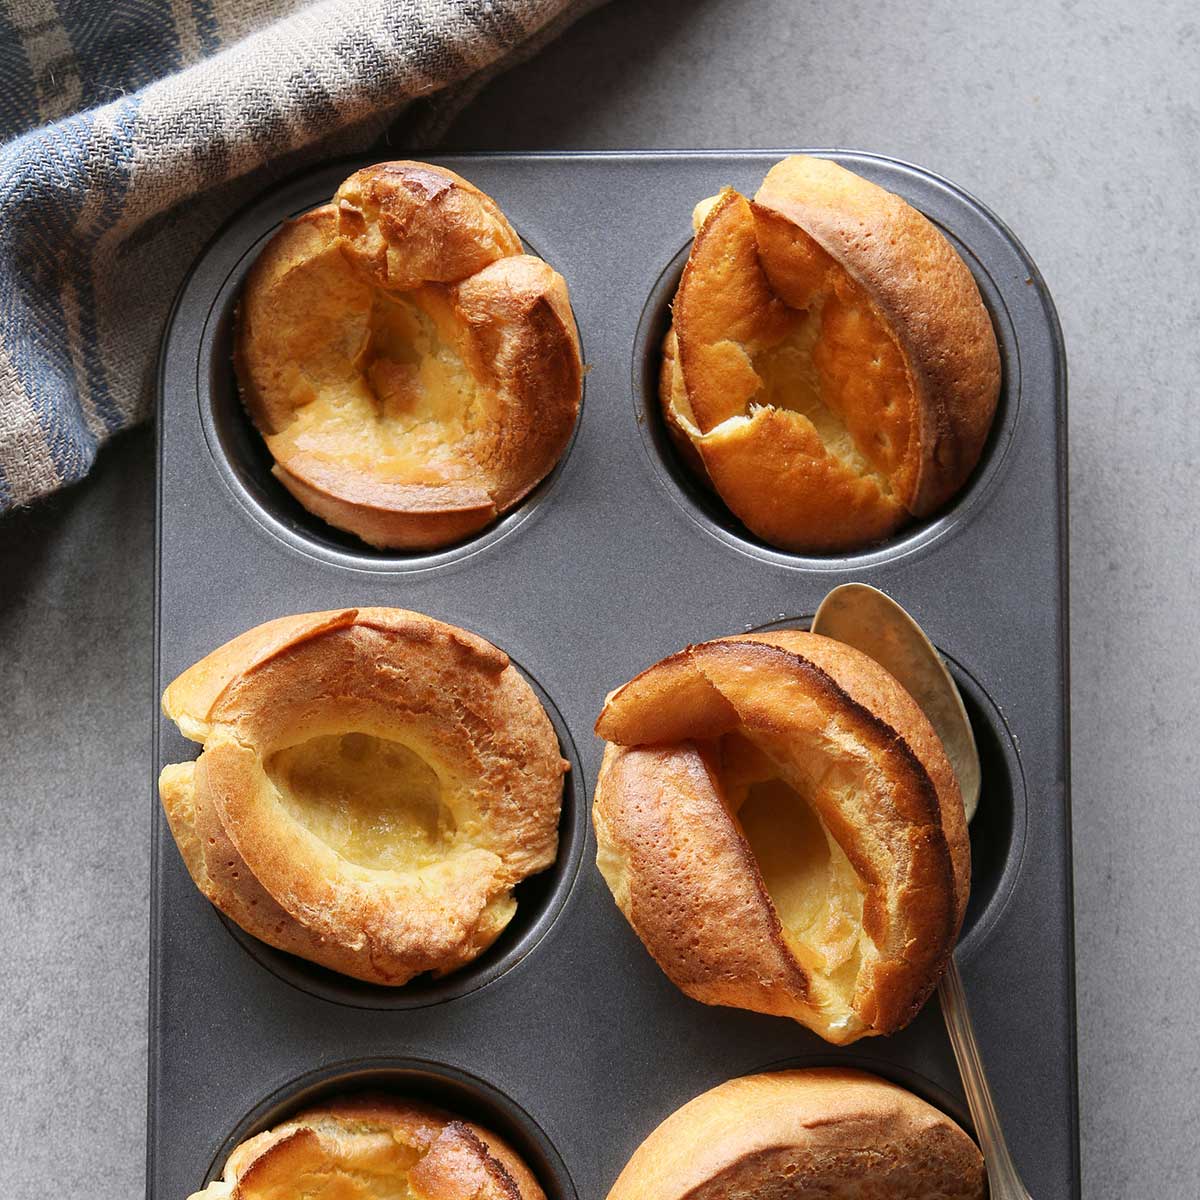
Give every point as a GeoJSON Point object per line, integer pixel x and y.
{"type": "Point", "coordinates": [1080, 125]}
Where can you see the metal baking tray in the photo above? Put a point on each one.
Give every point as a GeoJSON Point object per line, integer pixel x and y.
{"type": "Point", "coordinates": [565, 1035]}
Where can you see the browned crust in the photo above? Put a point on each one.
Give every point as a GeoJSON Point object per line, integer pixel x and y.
{"type": "Point", "coordinates": [387, 515]}
{"type": "Point", "coordinates": [929, 295]}
{"type": "Point", "coordinates": [679, 864]}
{"type": "Point", "coordinates": [369, 1144]}
{"type": "Point", "coordinates": [831, 1132]}
{"type": "Point", "coordinates": [659, 809]}
{"type": "Point", "coordinates": [407, 223]}
{"type": "Point", "coordinates": [672, 398]}
{"type": "Point", "coordinates": [397, 674]}
{"type": "Point", "coordinates": [748, 264]}
{"type": "Point", "coordinates": [420, 230]}
{"type": "Point", "coordinates": [524, 343]}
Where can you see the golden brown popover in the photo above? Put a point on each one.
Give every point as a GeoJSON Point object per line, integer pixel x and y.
{"type": "Point", "coordinates": [413, 372]}
{"type": "Point", "coordinates": [831, 368]}
{"type": "Point", "coordinates": [778, 822]}
{"type": "Point", "coordinates": [825, 1132]}
{"type": "Point", "coordinates": [374, 1148]}
{"type": "Point", "coordinates": [373, 785]}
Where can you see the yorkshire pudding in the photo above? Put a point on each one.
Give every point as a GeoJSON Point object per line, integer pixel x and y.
{"type": "Point", "coordinates": [413, 372]}
{"type": "Point", "coordinates": [374, 1148]}
{"type": "Point", "coordinates": [780, 825]}
{"type": "Point", "coordinates": [373, 785]}
{"type": "Point", "coordinates": [828, 1132]}
{"type": "Point", "coordinates": [831, 368]}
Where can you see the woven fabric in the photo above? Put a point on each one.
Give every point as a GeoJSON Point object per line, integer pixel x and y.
{"type": "Point", "coordinates": [133, 128]}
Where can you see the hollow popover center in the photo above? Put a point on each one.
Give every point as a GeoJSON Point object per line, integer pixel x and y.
{"type": "Point", "coordinates": [424, 395]}
{"type": "Point", "coordinates": [372, 800]}
{"type": "Point", "coordinates": [383, 388]}
{"type": "Point", "coordinates": [816, 892]}
{"type": "Point", "coordinates": [801, 374]}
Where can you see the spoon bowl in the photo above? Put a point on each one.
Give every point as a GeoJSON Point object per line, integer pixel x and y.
{"type": "Point", "coordinates": [861, 616]}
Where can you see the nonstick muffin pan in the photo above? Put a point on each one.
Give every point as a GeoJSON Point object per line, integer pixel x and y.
{"type": "Point", "coordinates": [565, 1036]}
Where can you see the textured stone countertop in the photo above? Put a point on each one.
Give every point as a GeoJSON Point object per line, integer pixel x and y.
{"type": "Point", "coordinates": [1080, 125]}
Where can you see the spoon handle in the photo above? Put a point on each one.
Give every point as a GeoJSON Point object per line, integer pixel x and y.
{"type": "Point", "coordinates": [1003, 1181]}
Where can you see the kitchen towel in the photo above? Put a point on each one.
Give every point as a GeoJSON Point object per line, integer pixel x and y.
{"type": "Point", "coordinates": [133, 128]}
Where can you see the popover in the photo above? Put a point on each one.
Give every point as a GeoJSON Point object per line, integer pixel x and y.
{"type": "Point", "coordinates": [373, 785]}
{"type": "Point", "coordinates": [831, 369]}
{"type": "Point", "coordinates": [825, 1132]}
{"type": "Point", "coordinates": [374, 1148]}
{"type": "Point", "coordinates": [413, 372]}
{"type": "Point", "coordinates": [778, 822]}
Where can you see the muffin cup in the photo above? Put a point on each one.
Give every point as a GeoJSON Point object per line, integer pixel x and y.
{"type": "Point", "coordinates": [540, 900]}
{"type": "Point", "coordinates": [242, 459]}
{"type": "Point", "coordinates": [456, 1091]}
{"type": "Point", "coordinates": [702, 503]}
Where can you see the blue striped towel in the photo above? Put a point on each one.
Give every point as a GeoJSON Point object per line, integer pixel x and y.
{"type": "Point", "coordinates": [132, 128]}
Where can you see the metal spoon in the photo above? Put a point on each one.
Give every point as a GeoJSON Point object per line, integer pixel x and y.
{"type": "Point", "coordinates": [865, 618]}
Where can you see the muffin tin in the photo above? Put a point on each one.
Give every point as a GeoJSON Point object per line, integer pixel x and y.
{"type": "Point", "coordinates": [566, 1036]}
